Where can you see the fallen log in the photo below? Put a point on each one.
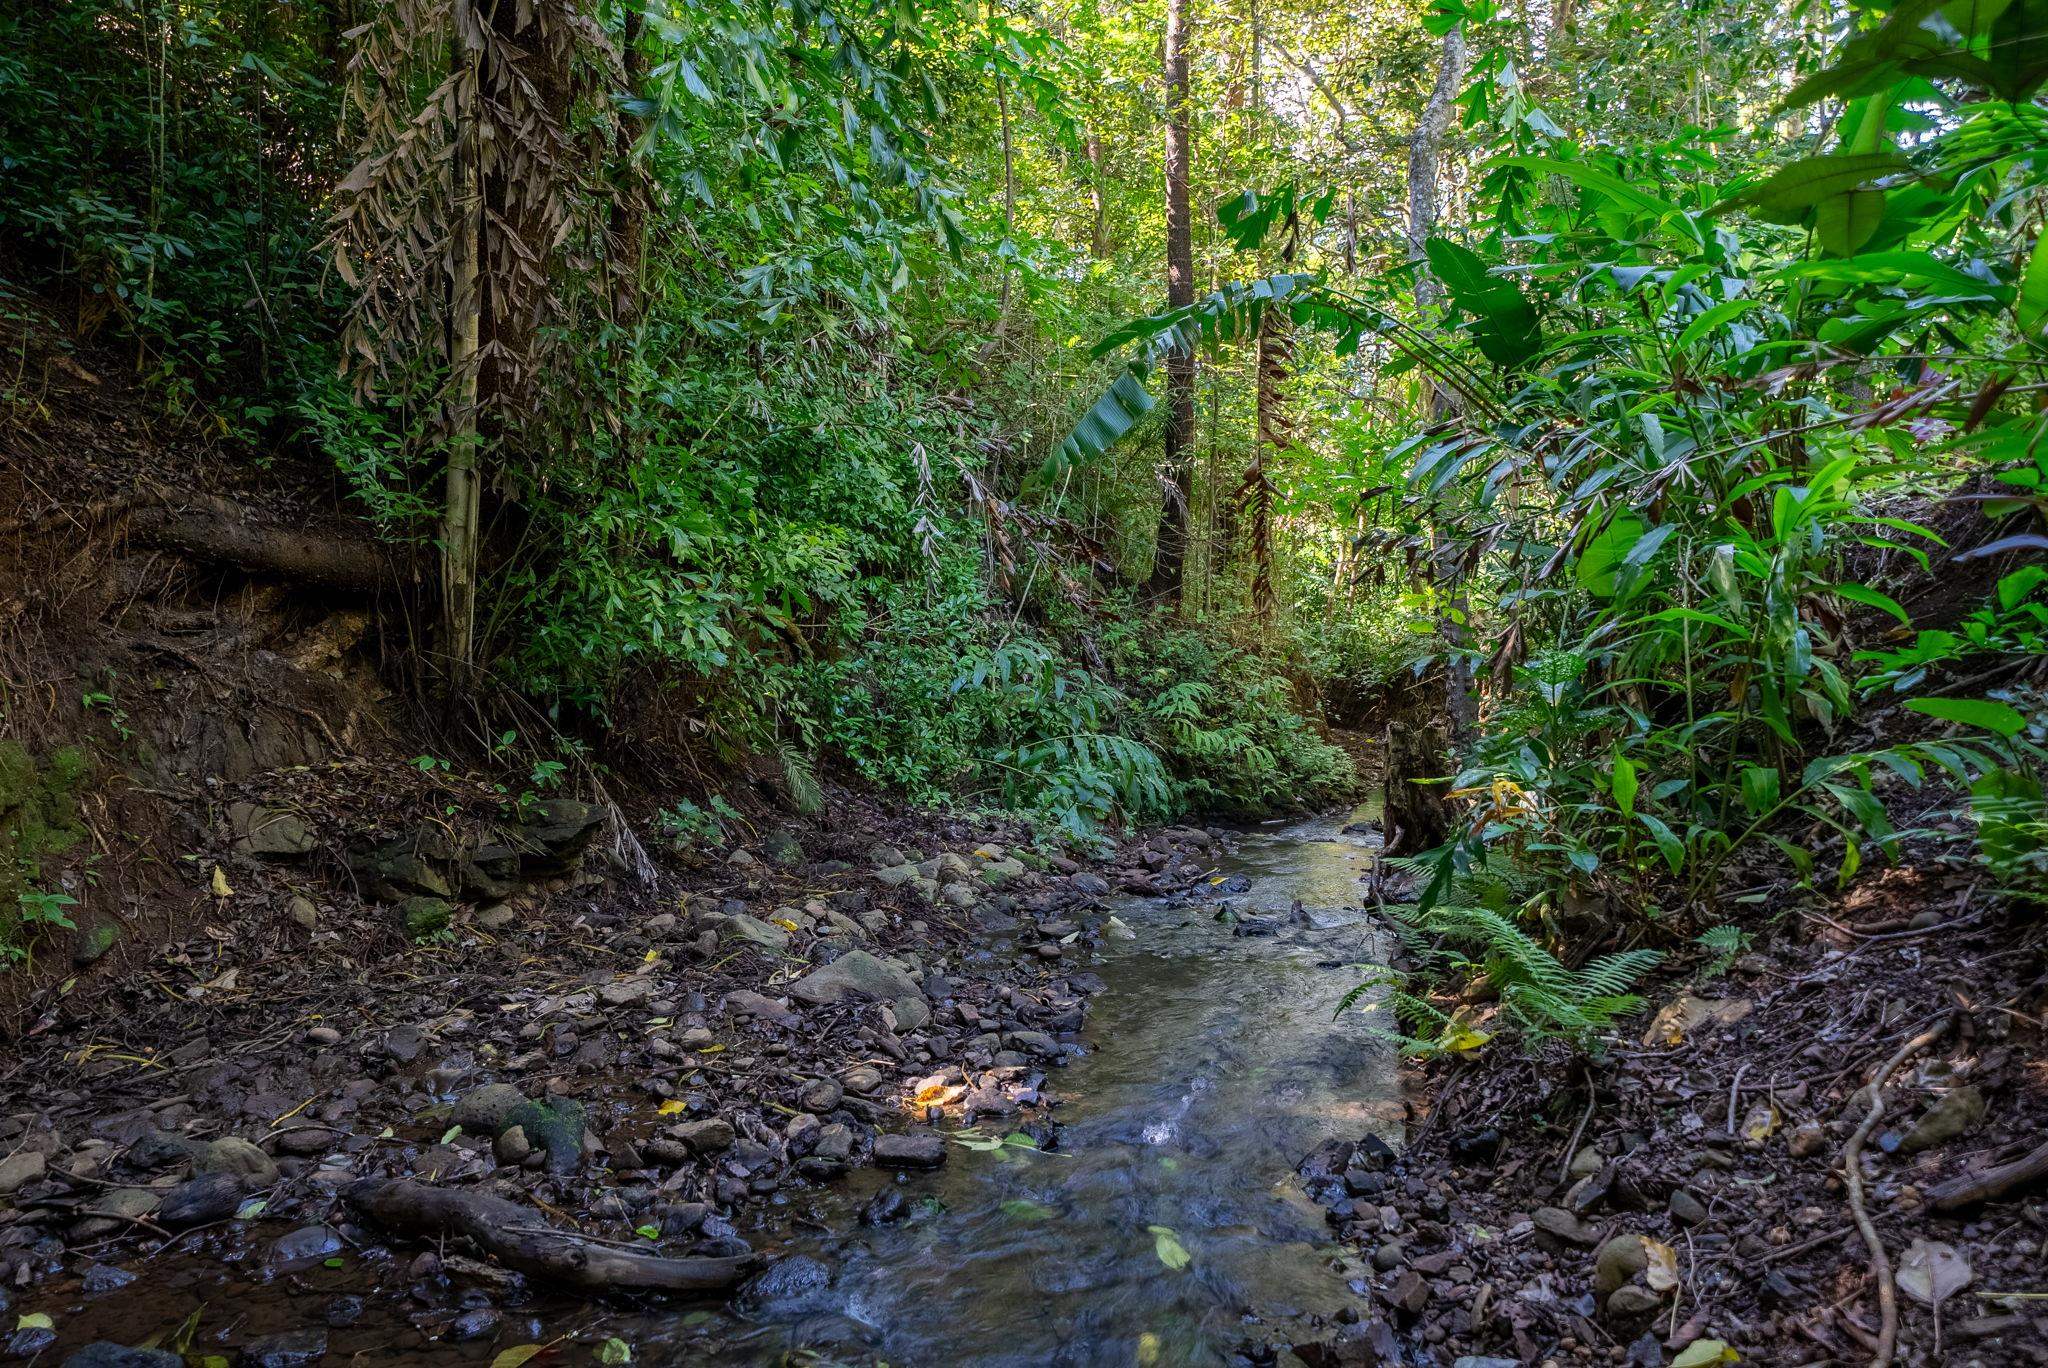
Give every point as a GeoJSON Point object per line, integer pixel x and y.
{"type": "Point", "coordinates": [1968, 1189]}
{"type": "Point", "coordinates": [514, 1237]}
{"type": "Point", "coordinates": [220, 532]}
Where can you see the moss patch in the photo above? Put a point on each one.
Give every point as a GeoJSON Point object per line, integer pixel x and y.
{"type": "Point", "coordinates": [39, 819]}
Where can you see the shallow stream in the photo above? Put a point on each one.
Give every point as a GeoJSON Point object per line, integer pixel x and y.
{"type": "Point", "coordinates": [1212, 1066]}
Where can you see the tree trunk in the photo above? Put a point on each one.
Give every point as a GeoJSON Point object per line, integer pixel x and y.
{"type": "Point", "coordinates": [1169, 561]}
{"type": "Point", "coordinates": [1098, 234]}
{"type": "Point", "coordinates": [460, 498]}
{"type": "Point", "coordinates": [1425, 154]}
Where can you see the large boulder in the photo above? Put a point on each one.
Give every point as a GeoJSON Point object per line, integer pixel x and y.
{"type": "Point", "coordinates": [552, 836]}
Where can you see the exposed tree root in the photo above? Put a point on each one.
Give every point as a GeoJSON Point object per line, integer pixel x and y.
{"type": "Point", "coordinates": [1969, 1189]}
{"type": "Point", "coordinates": [222, 532]}
{"type": "Point", "coordinates": [1852, 1176]}
{"type": "Point", "coordinates": [508, 1233]}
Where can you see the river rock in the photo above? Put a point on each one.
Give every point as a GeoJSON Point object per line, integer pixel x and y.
{"type": "Point", "coordinates": [554, 1128]}
{"type": "Point", "coordinates": [1089, 885]}
{"type": "Point", "coordinates": [705, 1137]}
{"type": "Point", "coordinates": [511, 1146]}
{"type": "Point", "coordinates": [232, 1154]}
{"type": "Point", "coordinates": [853, 976]}
{"type": "Point", "coordinates": [483, 1111]}
{"type": "Point", "coordinates": [102, 1354]}
{"type": "Point", "coordinates": [291, 1349]}
{"type": "Point", "coordinates": [1630, 1301]}
{"type": "Point", "coordinates": [305, 1244]}
{"type": "Point", "coordinates": [917, 1150]}
{"type": "Point", "coordinates": [862, 1079]}
{"type": "Point", "coordinates": [202, 1200]}
{"type": "Point", "coordinates": [1956, 1114]}
{"type": "Point", "coordinates": [822, 1095]}
{"type": "Point", "coordinates": [1560, 1225]}
{"type": "Point", "coordinates": [793, 1283]}
{"type": "Point", "coordinates": [20, 1169]}
{"type": "Point", "coordinates": [754, 931]}
{"type": "Point", "coordinates": [1619, 1260]}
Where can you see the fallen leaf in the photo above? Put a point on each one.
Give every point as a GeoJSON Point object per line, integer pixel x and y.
{"type": "Point", "coordinates": [1931, 1272]}
{"type": "Point", "coordinates": [35, 1320]}
{"type": "Point", "coordinates": [1761, 1121]}
{"type": "Point", "coordinates": [1702, 1352]}
{"type": "Point", "coordinates": [670, 1108]}
{"type": "Point", "coordinates": [1662, 1270]}
{"type": "Point", "coordinates": [1686, 1014]}
{"type": "Point", "coordinates": [1168, 1247]}
{"type": "Point", "coordinates": [220, 884]}
{"type": "Point", "coordinates": [516, 1355]}
{"type": "Point", "coordinates": [615, 1351]}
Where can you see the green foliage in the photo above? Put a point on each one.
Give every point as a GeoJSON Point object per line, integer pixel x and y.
{"type": "Point", "coordinates": [39, 820]}
{"type": "Point", "coordinates": [1474, 929]}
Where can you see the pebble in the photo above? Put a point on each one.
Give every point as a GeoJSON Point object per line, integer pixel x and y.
{"type": "Point", "coordinates": [305, 1244]}
{"type": "Point", "coordinates": [291, 1349]}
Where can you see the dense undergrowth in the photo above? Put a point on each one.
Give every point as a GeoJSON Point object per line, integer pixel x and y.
{"type": "Point", "coordinates": [1682, 446]}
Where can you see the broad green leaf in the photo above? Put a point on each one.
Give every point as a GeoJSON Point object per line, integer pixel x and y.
{"type": "Point", "coordinates": [1713, 318]}
{"type": "Point", "coordinates": [516, 1355]}
{"type": "Point", "coordinates": [2031, 308]}
{"type": "Point", "coordinates": [1704, 1352]}
{"type": "Point", "coordinates": [1846, 222]}
{"type": "Point", "coordinates": [1505, 324]}
{"type": "Point", "coordinates": [1624, 785]}
{"type": "Point", "coordinates": [1871, 598]}
{"type": "Point", "coordinates": [615, 1351]}
{"type": "Point", "coordinates": [1793, 189]}
{"type": "Point", "coordinates": [1984, 713]}
{"type": "Point", "coordinates": [1594, 179]}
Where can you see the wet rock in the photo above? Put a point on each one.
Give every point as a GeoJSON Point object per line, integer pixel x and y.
{"type": "Point", "coordinates": [1033, 1042]}
{"type": "Point", "coordinates": [126, 1204]}
{"type": "Point", "coordinates": [834, 1144]}
{"type": "Point", "coordinates": [862, 1079]}
{"type": "Point", "coordinates": [478, 1324]}
{"type": "Point", "coordinates": [343, 1311]}
{"type": "Point", "coordinates": [1955, 1115]}
{"type": "Point", "coordinates": [885, 1208]}
{"type": "Point", "coordinates": [202, 1200]}
{"type": "Point", "coordinates": [20, 1169]}
{"type": "Point", "coordinates": [1089, 885]}
{"type": "Point", "coordinates": [553, 1128]}
{"type": "Point", "coordinates": [305, 1244]}
{"type": "Point", "coordinates": [1618, 1261]}
{"type": "Point", "coordinates": [822, 1096]}
{"type": "Point", "coordinates": [292, 1349]}
{"type": "Point", "coordinates": [101, 1354]}
{"type": "Point", "coordinates": [483, 1111]}
{"type": "Point", "coordinates": [29, 1340]}
{"type": "Point", "coordinates": [1477, 1146]}
{"type": "Point", "coordinates": [917, 1150]}
{"type": "Point", "coordinates": [103, 1278]}
{"type": "Point", "coordinates": [789, 1284]}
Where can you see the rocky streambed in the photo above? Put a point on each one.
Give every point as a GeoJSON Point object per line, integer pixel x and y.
{"type": "Point", "coordinates": [845, 1094]}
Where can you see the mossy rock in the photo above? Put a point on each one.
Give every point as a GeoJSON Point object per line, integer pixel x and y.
{"type": "Point", "coordinates": [39, 818]}
{"type": "Point", "coordinates": [555, 1128]}
{"type": "Point", "coordinates": [425, 917]}
{"type": "Point", "coordinates": [94, 940]}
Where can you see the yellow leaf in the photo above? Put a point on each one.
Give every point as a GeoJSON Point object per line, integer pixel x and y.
{"type": "Point", "coordinates": [786, 924]}
{"type": "Point", "coordinates": [220, 884]}
{"type": "Point", "coordinates": [1662, 1270]}
{"type": "Point", "coordinates": [650, 957]}
{"type": "Point", "coordinates": [516, 1355]}
{"type": "Point", "coordinates": [1702, 1352]}
{"type": "Point", "coordinates": [35, 1320]}
{"type": "Point", "coordinates": [1168, 1247]}
{"type": "Point", "coordinates": [1761, 1121]}
{"type": "Point", "coordinates": [670, 1108]}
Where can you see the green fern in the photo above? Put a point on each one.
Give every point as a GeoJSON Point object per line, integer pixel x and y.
{"type": "Point", "coordinates": [1726, 942]}
{"type": "Point", "coordinates": [800, 778]}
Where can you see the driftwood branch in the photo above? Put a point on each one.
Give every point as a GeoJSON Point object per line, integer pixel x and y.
{"type": "Point", "coordinates": [505, 1231]}
{"type": "Point", "coordinates": [1967, 1190]}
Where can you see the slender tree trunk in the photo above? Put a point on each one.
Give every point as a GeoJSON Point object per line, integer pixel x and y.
{"type": "Point", "coordinates": [1009, 195]}
{"type": "Point", "coordinates": [1169, 562]}
{"type": "Point", "coordinates": [1098, 233]}
{"type": "Point", "coordinates": [1425, 154]}
{"type": "Point", "coordinates": [461, 496]}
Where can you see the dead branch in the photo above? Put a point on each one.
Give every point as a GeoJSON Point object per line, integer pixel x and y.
{"type": "Point", "coordinates": [1967, 1190]}
{"type": "Point", "coordinates": [505, 1231]}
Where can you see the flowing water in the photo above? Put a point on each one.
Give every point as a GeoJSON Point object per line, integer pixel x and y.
{"type": "Point", "coordinates": [1212, 1066]}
